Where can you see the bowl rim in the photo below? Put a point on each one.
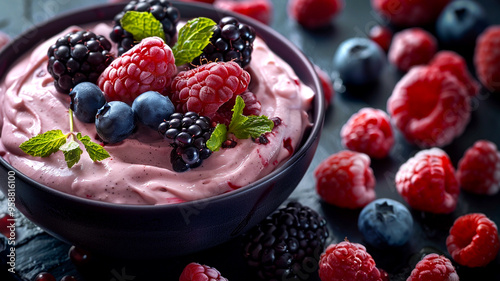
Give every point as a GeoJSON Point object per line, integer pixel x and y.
{"type": "Point", "coordinates": [318, 110]}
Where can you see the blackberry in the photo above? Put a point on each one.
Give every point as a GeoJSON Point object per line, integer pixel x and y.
{"type": "Point", "coordinates": [231, 41]}
{"type": "Point", "coordinates": [287, 245]}
{"type": "Point", "coordinates": [77, 57]}
{"type": "Point", "coordinates": [187, 134]}
{"type": "Point", "coordinates": [162, 10]}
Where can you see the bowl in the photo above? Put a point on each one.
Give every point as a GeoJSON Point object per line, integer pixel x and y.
{"type": "Point", "coordinates": [159, 231]}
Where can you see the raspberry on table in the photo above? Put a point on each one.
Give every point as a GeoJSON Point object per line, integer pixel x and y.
{"type": "Point", "coordinates": [479, 169]}
{"type": "Point", "coordinates": [427, 182]}
{"type": "Point", "coordinates": [195, 272]}
{"type": "Point", "coordinates": [368, 131]}
{"type": "Point", "coordinates": [429, 107]}
{"type": "Point", "coordinates": [313, 14]}
{"type": "Point", "coordinates": [434, 267]}
{"type": "Point", "coordinates": [487, 58]}
{"type": "Point", "coordinates": [225, 113]}
{"type": "Point", "coordinates": [148, 66]}
{"type": "Point", "coordinates": [381, 35]}
{"type": "Point", "coordinates": [473, 240]}
{"type": "Point", "coordinates": [346, 180]}
{"type": "Point", "coordinates": [261, 10]}
{"type": "Point", "coordinates": [409, 12]}
{"type": "Point", "coordinates": [326, 85]}
{"type": "Point", "coordinates": [4, 39]}
{"type": "Point", "coordinates": [411, 47]}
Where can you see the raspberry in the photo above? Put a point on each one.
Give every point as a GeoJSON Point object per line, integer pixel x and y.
{"type": "Point", "coordinates": [207, 87]}
{"type": "Point", "coordinates": [348, 261]}
{"type": "Point", "coordinates": [411, 47]}
{"type": "Point", "coordinates": [487, 58]}
{"type": "Point", "coordinates": [252, 107]}
{"type": "Point", "coordinates": [473, 240]}
{"type": "Point", "coordinates": [409, 12]}
{"type": "Point", "coordinates": [368, 131]}
{"type": "Point", "coordinates": [434, 267]}
{"type": "Point", "coordinates": [197, 272]}
{"type": "Point", "coordinates": [427, 182]}
{"type": "Point", "coordinates": [326, 85]}
{"type": "Point", "coordinates": [4, 39]}
{"type": "Point", "coordinates": [346, 180]}
{"type": "Point", "coordinates": [456, 65]}
{"type": "Point", "coordinates": [381, 35]}
{"type": "Point", "coordinates": [313, 14]}
{"type": "Point", "coordinates": [148, 66]}
{"type": "Point", "coordinates": [429, 107]}
{"type": "Point", "coordinates": [261, 10]}
{"type": "Point", "coordinates": [479, 169]}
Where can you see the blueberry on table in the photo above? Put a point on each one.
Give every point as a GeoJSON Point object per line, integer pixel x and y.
{"type": "Point", "coordinates": [86, 99]}
{"type": "Point", "coordinates": [114, 122]}
{"type": "Point", "coordinates": [152, 108]}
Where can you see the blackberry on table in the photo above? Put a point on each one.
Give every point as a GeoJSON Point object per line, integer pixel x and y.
{"type": "Point", "coordinates": [77, 57]}
{"type": "Point", "coordinates": [162, 10]}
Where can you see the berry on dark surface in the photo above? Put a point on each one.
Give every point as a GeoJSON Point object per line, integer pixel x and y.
{"type": "Point", "coordinates": [162, 10]}
{"type": "Point", "coordinates": [45, 276]}
{"type": "Point", "coordinates": [86, 99]}
{"type": "Point", "coordinates": [78, 57]}
{"type": "Point", "coordinates": [284, 244]}
{"type": "Point", "coordinates": [151, 108]}
{"type": "Point", "coordinates": [5, 222]}
{"type": "Point", "coordinates": [114, 122]}
{"type": "Point", "coordinates": [198, 272]}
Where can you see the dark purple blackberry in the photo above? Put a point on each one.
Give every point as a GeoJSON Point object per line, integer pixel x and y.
{"type": "Point", "coordinates": [187, 134]}
{"type": "Point", "coordinates": [162, 10]}
{"type": "Point", "coordinates": [287, 245]}
{"type": "Point", "coordinates": [231, 41]}
{"type": "Point", "coordinates": [77, 57]}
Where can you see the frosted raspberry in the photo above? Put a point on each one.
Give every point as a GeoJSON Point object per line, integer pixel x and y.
{"type": "Point", "coordinates": [479, 169]}
{"type": "Point", "coordinates": [314, 14]}
{"type": "Point", "coordinates": [427, 182]}
{"type": "Point", "coordinates": [198, 272]}
{"type": "Point", "coordinates": [326, 84]}
{"type": "Point", "coordinates": [429, 107]}
{"type": "Point", "coordinates": [487, 58]}
{"type": "Point", "coordinates": [206, 88]}
{"type": "Point", "coordinates": [412, 47]}
{"type": "Point", "coordinates": [473, 240]}
{"type": "Point", "coordinates": [261, 10]}
{"type": "Point", "coordinates": [381, 35]}
{"type": "Point", "coordinates": [368, 131]}
{"type": "Point", "coordinates": [148, 66]}
{"type": "Point", "coordinates": [434, 267]}
{"type": "Point", "coordinates": [409, 12]}
{"type": "Point", "coordinates": [252, 107]}
{"type": "Point", "coordinates": [346, 180]}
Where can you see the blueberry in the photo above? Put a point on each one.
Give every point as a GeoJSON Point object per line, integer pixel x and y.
{"type": "Point", "coordinates": [385, 222]}
{"type": "Point", "coordinates": [86, 99]}
{"type": "Point", "coordinates": [115, 121]}
{"type": "Point", "coordinates": [151, 108]}
{"type": "Point", "coordinates": [359, 61]}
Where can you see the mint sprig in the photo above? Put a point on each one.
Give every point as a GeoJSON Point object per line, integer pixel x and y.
{"type": "Point", "coordinates": [142, 25]}
{"type": "Point", "coordinates": [193, 37]}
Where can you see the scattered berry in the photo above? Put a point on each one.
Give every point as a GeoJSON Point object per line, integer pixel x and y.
{"type": "Point", "coordinates": [281, 246]}
{"type": "Point", "coordinates": [197, 272]}
{"type": "Point", "coordinates": [385, 222]}
{"type": "Point", "coordinates": [368, 131]}
{"type": "Point", "coordinates": [410, 47]}
{"type": "Point", "coordinates": [5, 222]}
{"type": "Point", "coordinates": [79, 257]}
{"type": "Point", "coordinates": [205, 88]}
{"type": "Point", "coordinates": [409, 12]}
{"type": "Point", "coordinates": [78, 57]}
{"type": "Point", "coordinates": [326, 85]}
{"type": "Point", "coordinates": [313, 14]}
{"type": "Point", "coordinates": [86, 99]}
{"type": "Point", "coordinates": [381, 35]}
{"type": "Point", "coordinates": [68, 278]}
{"type": "Point", "coordinates": [162, 10]}
{"type": "Point", "coordinates": [359, 61]}
{"type": "Point", "coordinates": [261, 10]}
{"type": "Point", "coordinates": [348, 261]}
{"type": "Point", "coordinates": [427, 182]}
{"type": "Point", "coordinates": [151, 108]}
{"type": "Point", "coordinates": [434, 267]}
{"type": "Point", "coordinates": [225, 113]}
{"type": "Point", "coordinates": [148, 66]}
{"type": "Point", "coordinates": [4, 39]}
{"type": "Point", "coordinates": [429, 107]}
{"type": "Point", "coordinates": [487, 58]}
{"type": "Point", "coordinates": [45, 276]}
{"type": "Point", "coordinates": [114, 122]}
{"type": "Point", "coordinates": [346, 180]}
{"type": "Point", "coordinates": [479, 169]}
{"type": "Point", "coordinates": [473, 240]}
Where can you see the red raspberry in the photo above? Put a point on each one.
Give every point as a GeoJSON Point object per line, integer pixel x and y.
{"type": "Point", "coordinates": [473, 240]}
{"type": "Point", "coordinates": [205, 88]}
{"type": "Point", "coordinates": [261, 10]}
{"type": "Point", "coordinates": [348, 261]}
{"type": "Point", "coordinates": [429, 107]}
{"type": "Point", "coordinates": [427, 182]}
{"type": "Point", "coordinates": [456, 65]}
{"type": "Point", "coordinates": [326, 85]}
{"type": "Point", "coordinates": [346, 180]}
{"type": "Point", "coordinates": [410, 47]}
{"type": "Point", "coordinates": [479, 169]}
{"type": "Point", "coordinates": [4, 39]}
{"type": "Point", "coordinates": [148, 66]}
{"type": "Point", "coordinates": [434, 267]}
{"type": "Point", "coordinates": [409, 12]}
{"type": "Point", "coordinates": [487, 58]}
{"type": "Point", "coordinates": [252, 107]}
{"type": "Point", "coordinates": [314, 14]}
{"type": "Point", "coordinates": [381, 35]}
{"type": "Point", "coordinates": [197, 272]}
{"type": "Point", "coordinates": [368, 131]}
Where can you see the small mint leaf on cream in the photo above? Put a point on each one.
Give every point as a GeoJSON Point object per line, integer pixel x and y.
{"type": "Point", "coordinates": [243, 127]}
{"type": "Point", "coordinates": [193, 37]}
{"type": "Point", "coordinates": [95, 151]}
{"type": "Point", "coordinates": [44, 144]}
{"type": "Point", "coordinates": [142, 25]}
{"type": "Point", "coordinates": [72, 152]}
{"type": "Point", "coordinates": [217, 138]}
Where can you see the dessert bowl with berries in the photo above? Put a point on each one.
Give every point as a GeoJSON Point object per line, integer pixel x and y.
{"type": "Point", "coordinates": [154, 129]}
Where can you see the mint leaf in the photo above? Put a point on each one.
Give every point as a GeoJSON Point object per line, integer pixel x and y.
{"type": "Point", "coordinates": [142, 25]}
{"type": "Point", "coordinates": [193, 37]}
{"type": "Point", "coordinates": [217, 138]}
{"type": "Point", "coordinates": [243, 126]}
{"type": "Point", "coordinates": [72, 152]}
{"type": "Point", "coordinates": [95, 151]}
{"type": "Point", "coordinates": [44, 144]}
{"type": "Point", "coordinates": [238, 117]}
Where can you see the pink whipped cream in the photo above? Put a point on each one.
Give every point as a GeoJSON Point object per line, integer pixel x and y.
{"type": "Point", "coordinates": [139, 169]}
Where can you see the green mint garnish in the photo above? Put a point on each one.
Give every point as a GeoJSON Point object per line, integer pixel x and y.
{"type": "Point", "coordinates": [72, 152]}
{"type": "Point", "coordinates": [95, 151]}
{"type": "Point", "coordinates": [217, 138]}
{"type": "Point", "coordinates": [193, 37]}
{"type": "Point", "coordinates": [142, 25]}
{"type": "Point", "coordinates": [44, 144]}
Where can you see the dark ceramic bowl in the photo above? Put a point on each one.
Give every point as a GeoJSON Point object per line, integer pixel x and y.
{"type": "Point", "coordinates": [131, 231]}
